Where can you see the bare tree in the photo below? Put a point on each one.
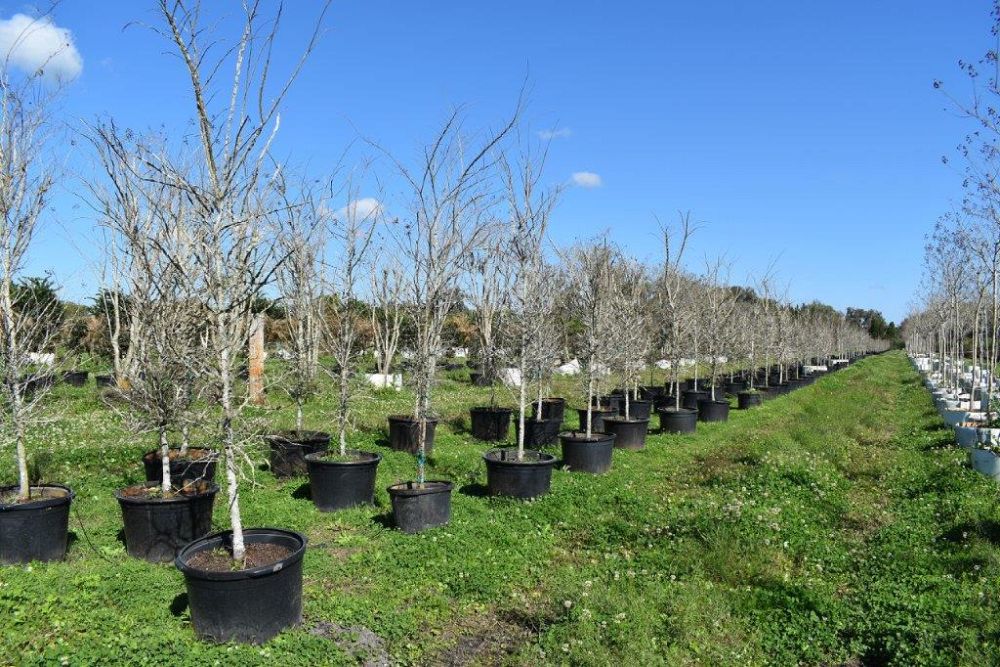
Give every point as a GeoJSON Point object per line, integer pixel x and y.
{"type": "Point", "coordinates": [387, 313]}
{"type": "Point", "coordinates": [719, 302]}
{"type": "Point", "coordinates": [672, 316]}
{"type": "Point", "coordinates": [630, 327]}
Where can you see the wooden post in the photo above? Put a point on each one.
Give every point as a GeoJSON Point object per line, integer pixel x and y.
{"type": "Point", "coordinates": [256, 361]}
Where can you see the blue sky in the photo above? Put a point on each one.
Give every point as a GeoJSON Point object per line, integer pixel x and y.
{"type": "Point", "coordinates": [803, 132]}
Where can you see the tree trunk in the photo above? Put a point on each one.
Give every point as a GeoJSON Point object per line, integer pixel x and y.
{"type": "Point", "coordinates": [256, 361]}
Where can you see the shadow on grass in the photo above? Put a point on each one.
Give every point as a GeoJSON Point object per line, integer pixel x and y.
{"type": "Point", "coordinates": [987, 530]}
{"type": "Point", "coordinates": [384, 520]}
{"type": "Point", "coordinates": [303, 492]}
{"type": "Point", "coordinates": [474, 490]}
{"type": "Point", "coordinates": [179, 605]}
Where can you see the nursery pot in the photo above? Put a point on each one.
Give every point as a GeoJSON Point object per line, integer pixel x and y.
{"type": "Point", "coordinates": [629, 433]}
{"type": "Point", "coordinates": [610, 402]}
{"type": "Point", "coordinates": [337, 484]}
{"type": "Point", "coordinates": [75, 378]}
{"type": "Point", "coordinates": [735, 387]}
{"type": "Point", "coordinates": [529, 477]}
{"type": "Point", "coordinates": [289, 450]}
{"type": "Point", "coordinates": [404, 433]}
{"type": "Point", "coordinates": [748, 399]}
{"type": "Point", "coordinates": [416, 507]}
{"type": "Point", "coordinates": [490, 424]}
{"type": "Point", "coordinates": [713, 411]}
{"type": "Point", "coordinates": [35, 530]}
{"type": "Point", "coordinates": [104, 380]}
{"type": "Point", "coordinates": [539, 433]}
{"type": "Point", "coordinates": [250, 605]}
{"type": "Point", "coordinates": [690, 398]}
{"type": "Point", "coordinates": [190, 467]}
{"type": "Point", "coordinates": [552, 408]}
{"type": "Point", "coordinates": [597, 416]}
{"type": "Point", "coordinates": [157, 528]}
{"type": "Point", "coordinates": [583, 454]}
{"type": "Point", "coordinates": [674, 420]}
{"type": "Point", "coordinates": [637, 409]}
{"type": "Point", "coordinates": [653, 392]}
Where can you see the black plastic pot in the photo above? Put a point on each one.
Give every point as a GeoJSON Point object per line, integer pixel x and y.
{"type": "Point", "coordinates": [552, 408]}
{"type": "Point", "coordinates": [104, 380]}
{"type": "Point", "coordinates": [251, 605]}
{"type": "Point", "coordinates": [75, 378]}
{"type": "Point", "coordinates": [673, 420]}
{"type": "Point", "coordinates": [611, 402]}
{"type": "Point", "coordinates": [417, 507]}
{"type": "Point", "coordinates": [36, 530]}
{"type": "Point", "coordinates": [596, 418]}
{"type": "Point", "coordinates": [180, 469]}
{"type": "Point", "coordinates": [156, 529]}
{"type": "Point", "coordinates": [637, 409]}
{"type": "Point", "coordinates": [529, 477]}
{"type": "Point", "coordinates": [713, 411]}
{"type": "Point", "coordinates": [338, 485]}
{"type": "Point", "coordinates": [748, 399]}
{"type": "Point", "coordinates": [479, 379]}
{"type": "Point", "coordinates": [629, 433]}
{"type": "Point", "coordinates": [690, 398]}
{"type": "Point", "coordinates": [539, 433]}
{"type": "Point", "coordinates": [652, 392]}
{"type": "Point", "coordinates": [583, 454]}
{"type": "Point", "coordinates": [289, 450]}
{"type": "Point", "coordinates": [404, 433]}
{"type": "Point", "coordinates": [490, 424]}
{"type": "Point", "coordinates": [735, 387]}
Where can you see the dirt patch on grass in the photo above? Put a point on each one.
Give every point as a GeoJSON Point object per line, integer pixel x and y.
{"type": "Point", "coordinates": [484, 638]}
{"type": "Point", "coordinates": [360, 643]}
{"type": "Point", "coordinates": [721, 464]}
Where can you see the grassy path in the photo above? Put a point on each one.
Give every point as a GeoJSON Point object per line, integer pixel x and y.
{"type": "Point", "coordinates": [831, 526]}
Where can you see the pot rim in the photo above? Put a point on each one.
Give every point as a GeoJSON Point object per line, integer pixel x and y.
{"type": "Point", "coordinates": [41, 503]}
{"type": "Point", "coordinates": [546, 458]}
{"type": "Point", "coordinates": [410, 418]}
{"type": "Point", "coordinates": [239, 575]}
{"type": "Point", "coordinates": [294, 437]}
{"type": "Point", "coordinates": [486, 408]}
{"type": "Point", "coordinates": [213, 454]}
{"type": "Point", "coordinates": [213, 489]}
{"type": "Point", "coordinates": [580, 437]}
{"type": "Point", "coordinates": [316, 458]}
{"type": "Point", "coordinates": [620, 419]}
{"type": "Point", "coordinates": [431, 486]}
{"type": "Point", "coordinates": [677, 411]}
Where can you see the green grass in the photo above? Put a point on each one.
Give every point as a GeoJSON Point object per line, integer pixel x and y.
{"type": "Point", "coordinates": [832, 526]}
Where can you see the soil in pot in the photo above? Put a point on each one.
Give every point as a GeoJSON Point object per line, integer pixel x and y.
{"type": "Point", "coordinates": [526, 478]}
{"type": "Point", "coordinates": [36, 529]}
{"type": "Point", "coordinates": [417, 507]}
{"type": "Point", "coordinates": [404, 433]}
{"type": "Point", "coordinates": [338, 482]}
{"type": "Point", "coordinates": [629, 433]}
{"type": "Point", "coordinates": [674, 420]}
{"type": "Point", "coordinates": [713, 411]}
{"type": "Point", "coordinates": [289, 450]}
{"type": "Point", "coordinates": [583, 454]}
{"type": "Point", "coordinates": [596, 418]}
{"type": "Point", "coordinates": [539, 433]}
{"type": "Point", "coordinates": [490, 424]}
{"type": "Point", "coordinates": [748, 399]}
{"type": "Point", "coordinates": [197, 463]}
{"type": "Point", "coordinates": [249, 605]}
{"type": "Point", "coordinates": [552, 408]}
{"type": "Point", "coordinates": [156, 526]}
{"type": "Point", "coordinates": [690, 398]}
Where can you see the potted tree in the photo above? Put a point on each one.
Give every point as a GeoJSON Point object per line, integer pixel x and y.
{"type": "Point", "coordinates": [175, 508]}
{"type": "Point", "coordinates": [718, 301]}
{"type": "Point", "coordinates": [345, 477]}
{"type": "Point", "coordinates": [592, 269]}
{"type": "Point", "coordinates": [299, 284]}
{"type": "Point", "coordinates": [34, 515]}
{"type": "Point", "coordinates": [673, 317]}
{"type": "Point", "coordinates": [488, 290]}
{"type": "Point", "coordinates": [447, 220]}
{"type": "Point", "coordinates": [630, 331]}
{"type": "Point", "coordinates": [242, 584]}
{"type": "Point", "coordinates": [521, 472]}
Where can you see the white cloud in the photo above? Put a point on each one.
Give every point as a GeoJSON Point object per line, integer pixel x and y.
{"type": "Point", "coordinates": [39, 45]}
{"type": "Point", "coordinates": [555, 133]}
{"type": "Point", "coordinates": [587, 179]}
{"type": "Point", "coordinates": [359, 209]}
